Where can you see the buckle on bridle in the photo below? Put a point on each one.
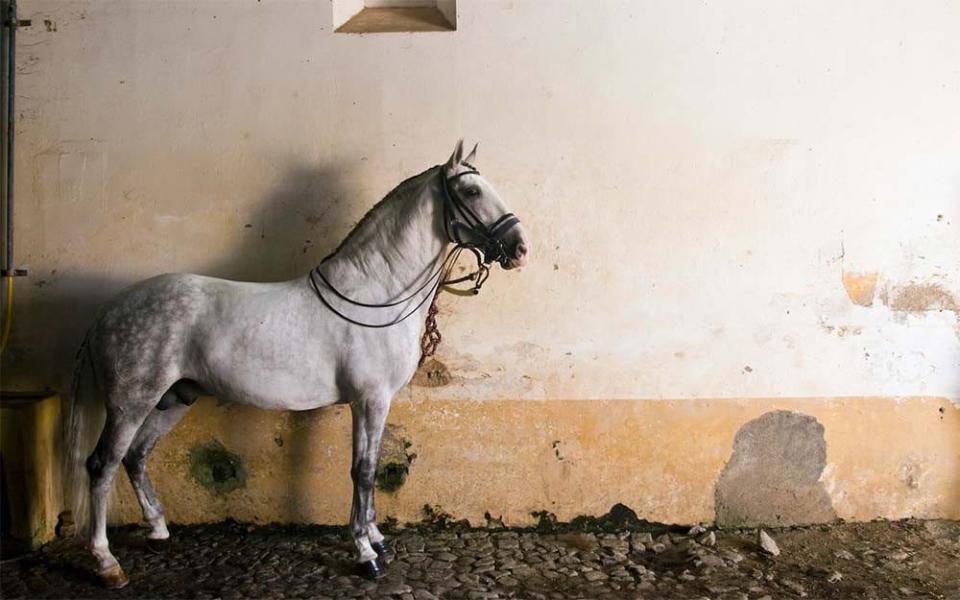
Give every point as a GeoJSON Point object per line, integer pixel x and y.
{"type": "Point", "coordinates": [478, 277]}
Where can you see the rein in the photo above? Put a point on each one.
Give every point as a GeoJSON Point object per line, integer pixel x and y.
{"type": "Point", "coordinates": [457, 219]}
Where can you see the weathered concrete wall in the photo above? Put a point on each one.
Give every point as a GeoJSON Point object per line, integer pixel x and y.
{"type": "Point", "coordinates": [669, 459]}
{"type": "Point", "coordinates": [742, 201]}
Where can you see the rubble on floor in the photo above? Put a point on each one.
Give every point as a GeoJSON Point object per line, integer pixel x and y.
{"type": "Point", "coordinates": [878, 560]}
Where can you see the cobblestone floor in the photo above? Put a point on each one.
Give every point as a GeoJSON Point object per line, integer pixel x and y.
{"type": "Point", "coordinates": [905, 559]}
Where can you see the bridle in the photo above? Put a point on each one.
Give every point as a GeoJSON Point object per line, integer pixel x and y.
{"type": "Point", "coordinates": [458, 219]}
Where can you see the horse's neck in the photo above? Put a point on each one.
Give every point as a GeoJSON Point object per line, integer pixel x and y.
{"type": "Point", "coordinates": [395, 248]}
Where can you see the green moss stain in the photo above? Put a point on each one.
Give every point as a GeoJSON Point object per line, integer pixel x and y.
{"type": "Point", "coordinates": [395, 460]}
{"type": "Point", "coordinates": [435, 518]}
{"type": "Point", "coordinates": [216, 468]}
{"type": "Point", "coordinates": [546, 521]}
{"type": "Point", "coordinates": [491, 522]}
{"type": "Point", "coordinates": [391, 476]}
{"type": "Point", "coordinates": [619, 518]}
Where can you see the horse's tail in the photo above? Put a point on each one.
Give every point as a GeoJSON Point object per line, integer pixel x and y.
{"type": "Point", "coordinates": [84, 423]}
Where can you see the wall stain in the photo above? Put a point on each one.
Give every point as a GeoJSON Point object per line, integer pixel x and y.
{"type": "Point", "coordinates": [546, 521]}
{"type": "Point", "coordinates": [860, 287]}
{"type": "Point", "coordinates": [556, 449]}
{"type": "Point", "coordinates": [773, 475]}
{"type": "Point", "coordinates": [432, 373]}
{"type": "Point", "coordinates": [435, 517]}
{"type": "Point", "coordinates": [842, 330]}
{"type": "Point", "coordinates": [216, 468]}
{"type": "Point", "coordinates": [911, 473]}
{"type": "Point", "coordinates": [491, 522]}
{"type": "Point", "coordinates": [395, 460]}
{"type": "Point", "coordinates": [919, 297]}
{"type": "Point", "coordinates": [619, 517]}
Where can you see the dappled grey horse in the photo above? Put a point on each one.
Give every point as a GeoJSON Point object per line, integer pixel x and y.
{"type": "Point", "coordinates": [348, 332]}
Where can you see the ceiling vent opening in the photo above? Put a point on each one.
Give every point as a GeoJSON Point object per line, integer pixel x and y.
{"type": "Point", "coordinates": [389, 16]}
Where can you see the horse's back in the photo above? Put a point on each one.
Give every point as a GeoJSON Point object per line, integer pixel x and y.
{"type": "Point", "coordinates": [156, 304]}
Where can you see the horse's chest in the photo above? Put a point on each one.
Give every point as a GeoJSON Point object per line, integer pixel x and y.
{"type": "Point", "coordinates": [387, 361]}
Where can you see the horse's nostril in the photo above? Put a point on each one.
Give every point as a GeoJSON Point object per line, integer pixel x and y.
{"type": "Point", "coordinates": [521, 250]}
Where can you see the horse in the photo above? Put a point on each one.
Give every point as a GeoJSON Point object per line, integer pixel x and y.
{"type": "Point", "coordinates": [347, 332]}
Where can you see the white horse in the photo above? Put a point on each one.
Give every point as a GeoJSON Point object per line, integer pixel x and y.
{"type": "Point", "coordinates": [340, 334]}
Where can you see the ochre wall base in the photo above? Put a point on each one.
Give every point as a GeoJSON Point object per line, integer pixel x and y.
{"type": "Point", "coordinates": [796, 460]}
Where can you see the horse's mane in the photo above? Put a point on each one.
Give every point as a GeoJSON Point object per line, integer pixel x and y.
{"type": "Point", "coordinates": [402, 190]}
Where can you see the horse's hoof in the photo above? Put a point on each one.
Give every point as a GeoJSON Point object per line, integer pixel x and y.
{"type": "Point", "coordinates": [113, 578]}
{"type": "Point", "coordinates": [371, 570]}
{"type": "Point", "coordinates": [158, 546]}
{"type": "Point", "coordinates": [383, 551]}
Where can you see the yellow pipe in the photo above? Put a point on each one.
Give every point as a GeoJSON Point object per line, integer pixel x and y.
{"type": "Point", "coordinates": [8, 318]}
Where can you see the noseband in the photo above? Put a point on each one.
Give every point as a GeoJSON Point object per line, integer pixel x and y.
{"type": "Point", "coordinates": [459, 219]}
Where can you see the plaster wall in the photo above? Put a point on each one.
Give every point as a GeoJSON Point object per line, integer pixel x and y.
{"type": "Point", "coordinates": [513, 461]}
{"type": "Point", "coordinates": [745, 202]}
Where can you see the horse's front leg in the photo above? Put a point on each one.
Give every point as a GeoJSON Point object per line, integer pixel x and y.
{"type": "Point", "coordinates": [369, 417]}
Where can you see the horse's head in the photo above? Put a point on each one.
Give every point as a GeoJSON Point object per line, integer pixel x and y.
{"type": "Point", "coordinates": [476, 215]}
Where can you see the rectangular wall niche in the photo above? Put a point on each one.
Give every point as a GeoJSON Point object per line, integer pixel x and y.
{"type": "Point", "coordinates": [384, 16]}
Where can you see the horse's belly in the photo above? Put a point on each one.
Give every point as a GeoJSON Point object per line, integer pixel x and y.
{"type": "Point", "coordinates": [274, 376]}
{"type": "Point", "coordinates": [277, 390]}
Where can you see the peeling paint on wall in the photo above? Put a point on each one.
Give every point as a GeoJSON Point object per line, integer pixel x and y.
{"type": "Point", "coordinates": [773, 476]}
{"type": "Point", "coordinates": [919, 297]}
{"type": "Point", "coordinates": [860, 287]}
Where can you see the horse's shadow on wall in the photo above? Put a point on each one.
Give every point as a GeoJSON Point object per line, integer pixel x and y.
{"type": "Point", "coordinates": [293, 228]}
{"type": "Point", "coordinates": [282, 237]}
{"type": "Point", "coordinates": [290, 232]}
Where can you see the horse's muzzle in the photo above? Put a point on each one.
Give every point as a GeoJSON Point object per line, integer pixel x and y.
{"type": "Point", "coordinates": [518, 258]}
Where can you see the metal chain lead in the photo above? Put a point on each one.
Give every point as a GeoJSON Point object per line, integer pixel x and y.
{"type": "Point", "coordinates": [431, 331]}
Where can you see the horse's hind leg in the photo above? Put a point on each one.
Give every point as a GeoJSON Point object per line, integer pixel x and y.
{"type": "Point", "coordinates": [118, 433]}
{"type": "Point", "coordinates": [158, 424]}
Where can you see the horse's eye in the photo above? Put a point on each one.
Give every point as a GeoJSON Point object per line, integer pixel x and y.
{"type": "Point", "coordinates": [472, 191]}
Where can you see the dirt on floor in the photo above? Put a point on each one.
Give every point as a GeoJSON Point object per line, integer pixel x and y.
{"type": "Point", "coordinates": [590, 559]}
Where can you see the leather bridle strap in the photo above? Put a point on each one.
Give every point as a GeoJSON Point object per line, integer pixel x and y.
{"type": "Point", "coordinates": [439, 278]}
{"type": "Point", "coordinates": [458, 217]}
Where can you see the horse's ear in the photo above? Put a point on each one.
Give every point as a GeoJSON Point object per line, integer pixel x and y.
{"type": "Point", "coordinates": [472, 157]}
{"type": "Point", "coordinates": [456, 157]}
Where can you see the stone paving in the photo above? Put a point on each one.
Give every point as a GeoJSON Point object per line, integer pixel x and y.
{"type": "Point", "coordinates": [908, 559]}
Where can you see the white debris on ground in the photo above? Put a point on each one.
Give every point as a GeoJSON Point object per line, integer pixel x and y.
{"type": "Point", "coordinates": [767, 543]}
